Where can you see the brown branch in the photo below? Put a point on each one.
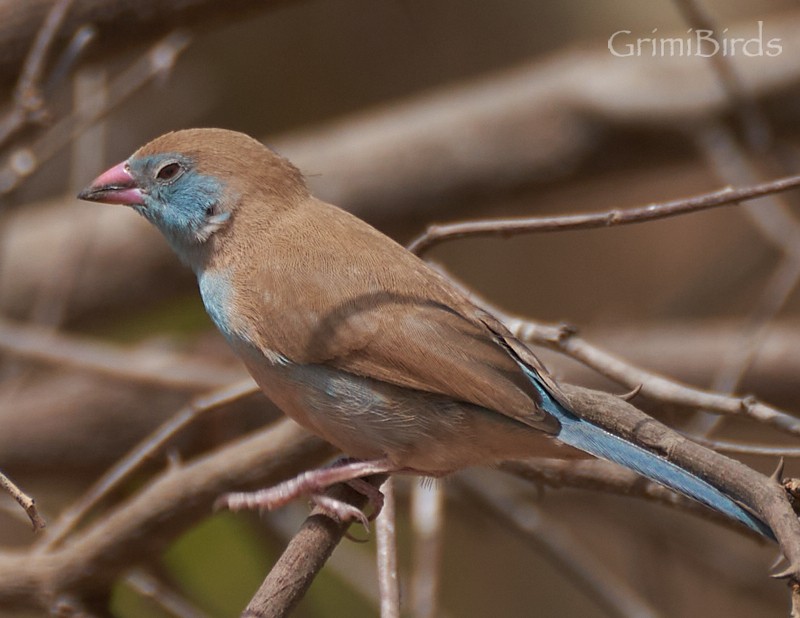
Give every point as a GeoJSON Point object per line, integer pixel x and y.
{"type": "Point", "coordinates": [436, 234]}
{"type": "Point", "coordinates": [303, 558]}
{"type": "Point", "coordinates": [25, 501]}
{"type": "Point", "coordinates": [427, 521]}
{"type": "Point", "coordinates": [777, 224]}
{"type": "Point", "coordinates": [726, 446]}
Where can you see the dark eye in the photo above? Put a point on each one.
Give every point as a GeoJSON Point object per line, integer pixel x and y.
{"type": "Point", "coordinates": [169, 171]}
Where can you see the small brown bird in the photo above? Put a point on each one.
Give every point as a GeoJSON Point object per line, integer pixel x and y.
{"type": "Point", "coordinates": [350, 334]}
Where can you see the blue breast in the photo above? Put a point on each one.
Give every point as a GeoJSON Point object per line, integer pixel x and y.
{"type": "Point", "coordinates": [215, 289]}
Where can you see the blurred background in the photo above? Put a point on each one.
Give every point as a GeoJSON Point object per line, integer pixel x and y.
{"type": "Point", "coordinates": [408, 113]}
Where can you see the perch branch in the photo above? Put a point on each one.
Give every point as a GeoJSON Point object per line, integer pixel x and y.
{"type": "Point", "coordinates": [303, 558]}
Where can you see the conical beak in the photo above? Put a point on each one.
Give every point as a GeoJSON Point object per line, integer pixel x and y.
{"type": "Point", "coordinates": [115, 186]}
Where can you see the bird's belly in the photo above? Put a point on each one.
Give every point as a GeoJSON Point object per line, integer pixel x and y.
{"type": "Point", "coordinates": [368, 419]}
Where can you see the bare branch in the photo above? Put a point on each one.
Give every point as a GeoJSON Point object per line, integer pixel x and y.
{"type": "Point", "coordinates": [606, 477]}
{"type": "Point", "coordinates": [761, 494]}
{"type": "Point", "coordinates": [25, 501]}
{"type": "Point", "coordinates": [436, 234]}
{"type": "Point", "coordinates": [303, 558]}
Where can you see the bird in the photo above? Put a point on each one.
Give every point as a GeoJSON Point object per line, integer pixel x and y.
{"type": "Point", "coordinates": [354, 337]}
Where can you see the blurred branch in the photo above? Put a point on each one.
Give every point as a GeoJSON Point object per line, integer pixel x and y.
{"type": "Point", "coordinates": [515, 127]}
{"type": "Point", "coordinates": [143, 364]}
{"type": "Point", "coordinates": [165, 597]}
{"type": "Point", "coordinates": [497, 133]}
{"type": "Point", "coordinates": [155, 62]}
{"type": "Point", "coordinates": [558, 544]}
{"type": "Point", "coordinates": [140, 20]}
{"type": "Point", "coordinates": [774, 220]}
{"type": "Point", "coordinates": [146, 522]}
{"type": "Point", "coordinates": [154, 444]}
{"type": "Point", "coordinates": [28, 101]}
{"type": "Point", "coordinates": [428, 522]}
{"type": "Point", "coordinates": [143, 525]}
{"type": "Point", "coordinates": [757, 131]}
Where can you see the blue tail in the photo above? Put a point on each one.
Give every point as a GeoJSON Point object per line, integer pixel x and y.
{"type": "Point", "coordinates": [596, 441]}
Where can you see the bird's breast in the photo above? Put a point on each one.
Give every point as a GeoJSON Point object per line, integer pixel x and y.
{"type": "Point", "coordinates": [217, 294]}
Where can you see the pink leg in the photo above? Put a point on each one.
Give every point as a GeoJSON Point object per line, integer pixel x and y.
{"type": "Point", "coordinates": [314, 482]}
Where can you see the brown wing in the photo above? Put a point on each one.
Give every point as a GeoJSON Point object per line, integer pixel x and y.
{"type": "Point", "coordinates": [430, 347]}
{"type": "Point", "coordinates": [361, 303]}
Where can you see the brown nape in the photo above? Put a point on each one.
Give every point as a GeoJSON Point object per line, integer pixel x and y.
{"type": "Point", "coordinates": [234, 157]}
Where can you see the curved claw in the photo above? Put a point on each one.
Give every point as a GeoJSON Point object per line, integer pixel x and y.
{"type": "Point", "coordinates": [791, 571]}
{"type": "Point", "coordinates": [338, 510]}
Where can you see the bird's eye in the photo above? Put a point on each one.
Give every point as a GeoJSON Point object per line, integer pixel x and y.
{"type": "Point", "coordinates": [169, 171]}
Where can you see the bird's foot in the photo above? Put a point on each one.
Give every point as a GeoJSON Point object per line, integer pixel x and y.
{"type": "Point", "coordinates": [313, 483]}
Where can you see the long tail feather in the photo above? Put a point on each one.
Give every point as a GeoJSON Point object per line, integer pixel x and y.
{"type": "Point", "coordinates": [596, 441]}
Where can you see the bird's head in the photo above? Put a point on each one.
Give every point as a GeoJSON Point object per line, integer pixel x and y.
{"type": "Point", "coordinates": [191, 184]}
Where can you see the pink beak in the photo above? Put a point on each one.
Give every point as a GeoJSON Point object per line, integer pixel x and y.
{"type": "Point", "coordinates": [115, 186]}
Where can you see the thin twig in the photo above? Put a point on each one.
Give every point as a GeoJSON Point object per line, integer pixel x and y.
{"type": "Point", "coordinates": [145, 450]}
{"type": "Point", "coordinates": [436, 234]}
{"type": "Point", "coordinates": [25, 501]}
{"type": "Point", "coordinates": [386, 537]}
